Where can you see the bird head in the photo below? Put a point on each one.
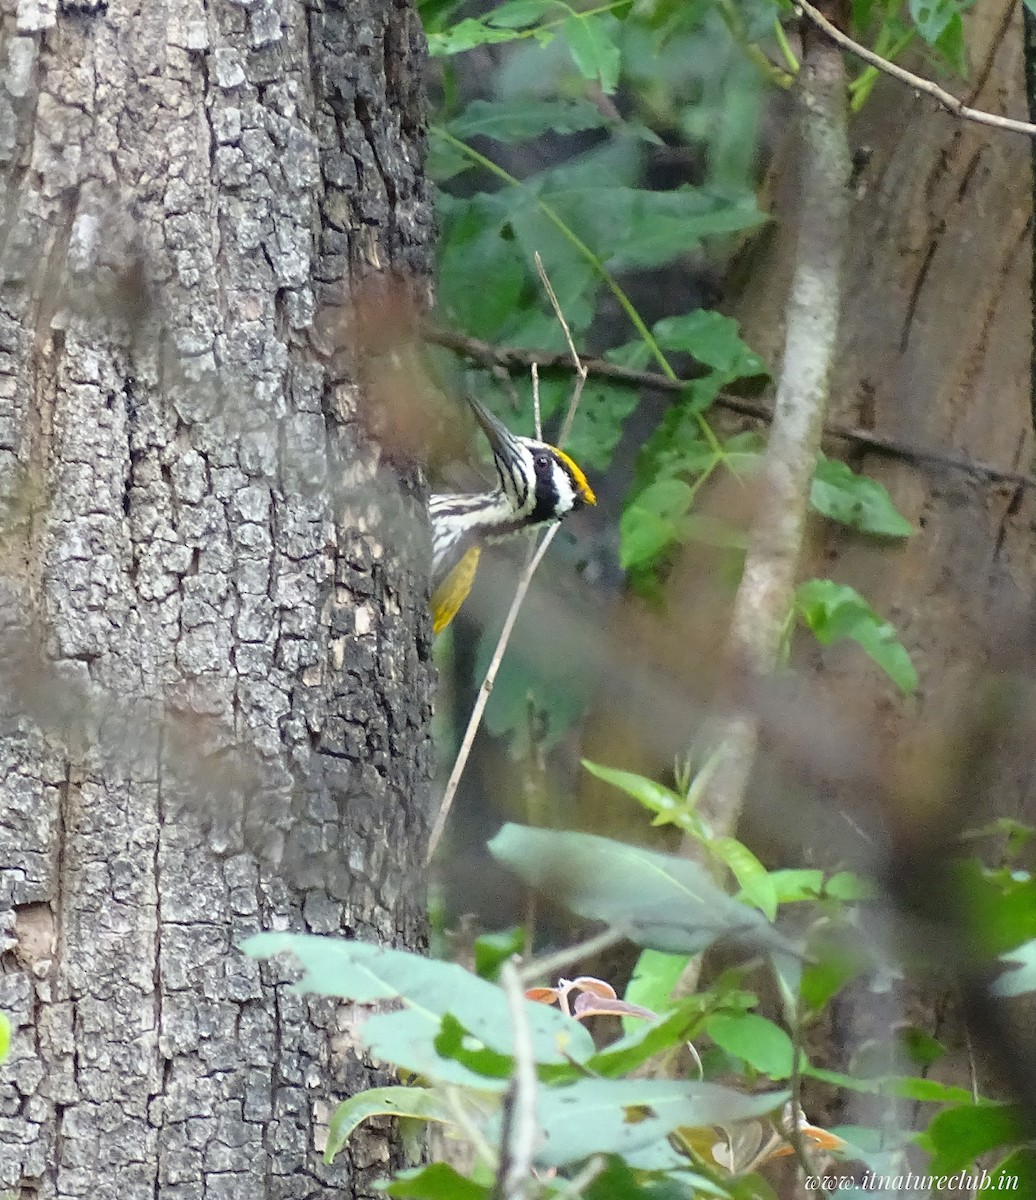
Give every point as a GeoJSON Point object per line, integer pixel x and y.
{"type": "Point", "coordinates": [541, 481]}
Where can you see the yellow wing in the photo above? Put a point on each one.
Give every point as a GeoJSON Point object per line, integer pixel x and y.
{"type": "Point", "coordinates": [453, 591]}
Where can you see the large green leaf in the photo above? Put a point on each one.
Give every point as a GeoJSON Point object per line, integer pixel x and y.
{"type": "Point", "coordinates": [654, 977]}
{"type": "Point", "coordinates": [593, 1116]}
{"type": "Point", "coordinates": [365, 973]}
{"type": "Point", "coordinates": [957, 1136]}
{"type": "Point", "coordinates": [5, 1036]}
{"type": "Point", "coordinates": [633, 227]}
{"type": "Point", "coordinates": [421, 1103]}
{"type": "Point", "coordinates": [520, 120]}
{"type": "Point", "coordinates": [649, 1038]}
{"type": "Point", "coordinates": [714, 340]}
{"type": "Point", "coordinates": [667, 902]}
{"type": "Point", "coordinates": [437, 1181]}
{"type": "Point", "coordinates": [761, 1043]}
{"type": "Point", "coordinates": [592, 48]}
{"type": "Point", "coordinates": [834, 611]}
{"type": "Point", "coordinates": [842, 495]}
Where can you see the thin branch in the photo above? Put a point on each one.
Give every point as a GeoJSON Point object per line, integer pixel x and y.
{"type": "Point", "coordinates": [580, 369]}
{"type": "Point", "coordinates": [519, 1126]}
{"type": "Point", "coordinates": [545, 966]}
{"type": "Point", "coordinates": [517, 359]}
{"type": "Point", "coordinates": [482, 699]}
{"type": "Point", "coordinates": [946, 99]}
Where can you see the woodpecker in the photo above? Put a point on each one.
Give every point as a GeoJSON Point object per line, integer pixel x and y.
{"type": "Point", "coordinates": [537, 485]}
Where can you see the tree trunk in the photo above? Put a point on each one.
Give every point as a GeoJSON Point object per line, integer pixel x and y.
{"type": "Point", "coordinates": [207, 609]}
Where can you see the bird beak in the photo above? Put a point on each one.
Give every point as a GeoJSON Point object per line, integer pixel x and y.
{"type": "Point", "coordinates": [499, 436]}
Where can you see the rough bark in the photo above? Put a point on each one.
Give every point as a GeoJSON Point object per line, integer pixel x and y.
{"type": "Point", "coordinates": [214, 626]}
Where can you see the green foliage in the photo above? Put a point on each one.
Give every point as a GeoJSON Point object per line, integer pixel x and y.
{"type": "Point", "coordinates": [5, 1036]}
{"type": "Point", "coordinates": [835, 611]}
{"type": "Point", "coordinates": [763, 1045]}
{"type": "Point", "coordinates": [839, 493]}
{"type": "Point", "coordinates": [666, 902]}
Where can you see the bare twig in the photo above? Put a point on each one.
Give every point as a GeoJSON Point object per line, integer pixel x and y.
{"type": "Point", "coordinates": [515, 359]}
{"type": "Point", "coordinates": [946, 99]}
{"type": "Point", "coordinates": [519, 1127]}
{"type": "Point", "coordinates": [577, 362]}
{"type": "Point", "coordinates": [548, 964]}
{"type": "Point", "coordinates": [482, 699]}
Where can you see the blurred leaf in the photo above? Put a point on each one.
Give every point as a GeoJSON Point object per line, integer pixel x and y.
{"type": "Point", "coordinates": [842, 495]}
{"type": "Point", "coordinates": [750, 873]}
{"type": "Point", "coordinates": [835, 611]}
{"type": "Point", "coordinates": [646, 1039]}
{"type": "Point", "coordinates": [597, 428]}
{"type": "Point", "coordinates": [1015, 1174]}
{"type": "Point", "coordinates": [653, 796]}
{"type": "Point", "coordinates": [492, 950]}
{"type": "Point", "coordinates": [1022, 976]}
{"type": "Point", "coordinates": [521, 120]}
{"type": "Point", "coordinates": [922, 1049]}
{"type": "Point", "coordinates": [761, 1043]}
{"type": "Point", "coordinates": [518, 14]}
{"type": "Point", "coordinates": [791, 885]}
{"type": "Point", "coordinates": [957, 1136]}
{"type": "Point", "coordinates": [652, 522]}
{"type": "Point", "coordinates": [5, 1036]}
{"type": "Point", "coordinates": [634, 227]}
{"type": "Point", "coordinates": [593, 50]}
{"type": "Point", "coordinates": [932, 17]}
{"type": "Point", "coordinates": [437, 1181]}
{"type": "Point", "coordinates": [654, 977]}
{"type": "Point", "coordinates": [667, 902]}
{"type": "Point", "coordinates": [712, 339]}
{"type": "Point", "coordinates": [420, 1103]}
{"type": "Point", "coordinates": [601, 1116]}
{"type": "Point", "coordinates": [481, 272]}
{"type": "Point", "coordinates": [849, 887]}
{"type": "Point", "coordinates": [364, 973]}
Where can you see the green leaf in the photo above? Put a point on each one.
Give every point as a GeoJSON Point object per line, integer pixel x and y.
{"type": "Point", "coordinates": [667, 902]}
{"type": "Point", "coordinates": [5, 1036]}
{"type": "Point", "coordinates": [926, 1090]}
{"type": "Point", "coordinates": [1015, 1174]}
{"type": "Point", "coordinates": [849, 887]}
{"type": "Point", "coordinates": [593, 1116]}
{"type": "Point", "coordinates": [437, 1181]}
{"type": "Point", "coordinates": [364, 973]}
{"type": "Point", "coordinates": [481, 272]}
{"type": "Point", "coordinates": [957, 1136]}
{"type": "Point", "coordinates": [1022, 977]}
{"type": "Point", "coordinates": [652, 522]}
{"type": "Point", "coordinates": [420, 1103]}
{"type": "Point", "coordinates": [597, 429]}
{"type": "Point", "coordinates": [519, 14]}
{"type": "Point", "coordinates": [654, 796]}
{"type": "Point", "coordinates": [466, 35]}
{"type": "Point", "coordinates": [409, 1038]}
{"type": "Point", "coordinates": [492, 950]}
{"type": "Point", "coordinates": [761, 1043]}
{"type": "Point", "coordinates": [654, 977]}
{"type": "Point", "coordinates": [521, 120]}
{"type": "Point", "coordinates": [748, 871]}
{"type": "Point", "coordinates": [593, 51]}
{"type": "Point", "coordinates": [712, 339]}
{"type": "Point", "coordinates": [632, 227]}
{"type": "Point", "coordinates": [796, 884]}
{"type": "Point", "coordinates": [835, 611]}
{"type": "Point", "coordinates": [650, 1038]}
{"type": "Point", "coordinates": [932, 17]}
{"type": "Point", "coordinates": [839, 493]}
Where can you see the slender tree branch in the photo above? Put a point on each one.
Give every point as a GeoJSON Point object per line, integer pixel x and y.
{"type": "Point", "coordinates": [946, 99]}
{"type": "Point", "coordinates": [519, 1127]}
{"type": "Point", "coordinates": [517, 359]}
{"type": "Point", "coordinates": [482, 699]}
{"type": "Point", "coordinates": [765, 594]}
